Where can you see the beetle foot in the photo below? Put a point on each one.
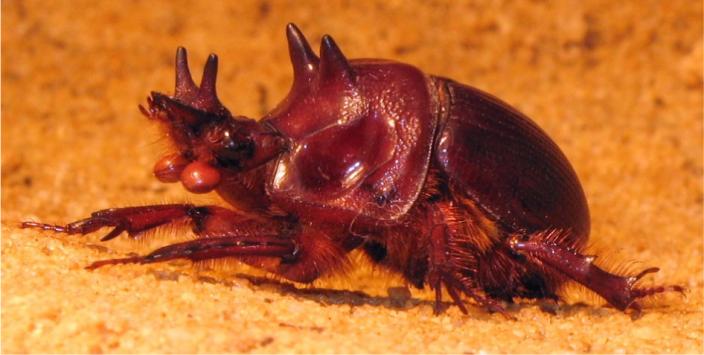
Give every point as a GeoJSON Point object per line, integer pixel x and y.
{"type": "Point", "coordinates": [491, 305]}
{"type": "Point", "coordinates": [45, 226]}
{"type": "Point", "coordinates": [454, 284]}
{"type": "Point", "coordinates": [437, 281]}
{"type": "Point", "coordinates": [635, 294]}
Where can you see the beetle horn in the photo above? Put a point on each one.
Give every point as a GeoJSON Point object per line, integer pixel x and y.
{"type": "Point", "coordinates": [185, 87]}
{"type": "Point", "coordinates": [207, 95]}
{"type": "Point", "coordinates": [304, 61]}
{"type": "Point", "coordinates": [190, 101]}
{"type": "Point", "coordinates": [333, 63]}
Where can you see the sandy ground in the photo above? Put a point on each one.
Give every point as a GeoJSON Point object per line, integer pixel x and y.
{"type": "Point", "coordinates": [617, 84]}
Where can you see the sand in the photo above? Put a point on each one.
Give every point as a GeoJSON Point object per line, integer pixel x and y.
{"type": "Point", "coordinates": [617, 84]}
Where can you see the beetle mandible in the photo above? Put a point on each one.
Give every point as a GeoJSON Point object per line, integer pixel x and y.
{"type": "Point", "coordinates": [435, 180]}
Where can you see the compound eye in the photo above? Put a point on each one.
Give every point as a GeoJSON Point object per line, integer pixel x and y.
{"type": "Point", "coordinates": [200, 178]}
{"type": "Point", "coordinates": [233, 152]}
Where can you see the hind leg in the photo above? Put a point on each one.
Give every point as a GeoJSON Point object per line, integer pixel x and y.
{"type": "Point", "coordinates": [545, 248]}
{"type": "Point", "coordinates": [504, 276]}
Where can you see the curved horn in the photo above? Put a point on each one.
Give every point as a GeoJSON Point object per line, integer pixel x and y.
{"type": "Point", "coordinates": [184, 82]}
{"type": "Point", "coordinates": [333, 63]}
{"type": "Point", "coordinates": [210, 74]}
{"type": "Point", "coordinates": [190, 104]}
{"type": "Point", "coordinates": [304, 61]}
{"type": "Point", "coordinates": [207, 95]}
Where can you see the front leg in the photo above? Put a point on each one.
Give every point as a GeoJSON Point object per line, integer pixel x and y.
{"type": "Point", "coordinates": [138, 220]}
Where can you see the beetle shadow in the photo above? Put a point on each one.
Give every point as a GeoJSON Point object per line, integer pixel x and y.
{"type": "Point", "coordinates": [398, 298]}
{"type": "Point", "coordinates": [328, 296]}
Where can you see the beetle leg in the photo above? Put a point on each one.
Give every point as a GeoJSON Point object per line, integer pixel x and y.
{"type": "Point", "coordinates": [212, 248]}
{"type": "Point", "coordinates": [137, 220]}
{"type": "Point", "coordinates": [300, 254]}
{"type": "Point", "coordinates": [620, 291]}
{"type": "Point", "coordinates": [462, 283]}
{"type": "Point", "coordinates": [447, 267]}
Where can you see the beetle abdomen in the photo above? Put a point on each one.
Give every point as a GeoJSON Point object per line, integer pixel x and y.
{"type": "Point", "coordinates": [507, 164]}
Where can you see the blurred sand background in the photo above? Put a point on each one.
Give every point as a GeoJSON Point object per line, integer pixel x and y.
{"type": "Point", "coordinates": [618, 84]}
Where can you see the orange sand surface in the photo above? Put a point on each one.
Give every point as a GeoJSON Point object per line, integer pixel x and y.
{"type": "Point", "coordinates": [618, 84]}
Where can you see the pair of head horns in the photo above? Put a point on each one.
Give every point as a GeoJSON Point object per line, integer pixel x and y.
{"type": "Point", "coordinates": [203, 97]}
{"type": "Point", "coordinates": [331, 65]}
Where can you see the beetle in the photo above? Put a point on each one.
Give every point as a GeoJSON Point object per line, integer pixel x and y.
{"type": "Point", "coordinates": [435, 180]}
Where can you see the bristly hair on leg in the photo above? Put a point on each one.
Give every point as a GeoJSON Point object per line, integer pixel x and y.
{"type": "Point", "coordinates": [553, 249]}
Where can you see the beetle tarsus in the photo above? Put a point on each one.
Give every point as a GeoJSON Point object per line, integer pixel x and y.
{"type": "Point", "coordinates": [487, 303]}
{"type": "Point", "coordinates": [437, 308]}
{"type": "Point", "coordinates": [650, 291]}
{"type": "Point", "coordinates": [44, 226]}
{"type": "Point", "coordinates": [456, 298]}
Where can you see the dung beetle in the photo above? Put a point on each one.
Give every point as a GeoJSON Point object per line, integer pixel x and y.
{"type": "Point", "coordinates": [435, 180]}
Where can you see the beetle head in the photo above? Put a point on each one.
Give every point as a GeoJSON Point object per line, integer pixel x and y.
{"type": "Point", "coordinates": [209, 141]}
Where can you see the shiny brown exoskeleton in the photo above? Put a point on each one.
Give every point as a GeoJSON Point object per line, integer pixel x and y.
{"type": "Point", "coordinates": [435, 180]}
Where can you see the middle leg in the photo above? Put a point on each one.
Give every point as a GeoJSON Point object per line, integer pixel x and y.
{"type": "Point", "coordinates": [453, 260]}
